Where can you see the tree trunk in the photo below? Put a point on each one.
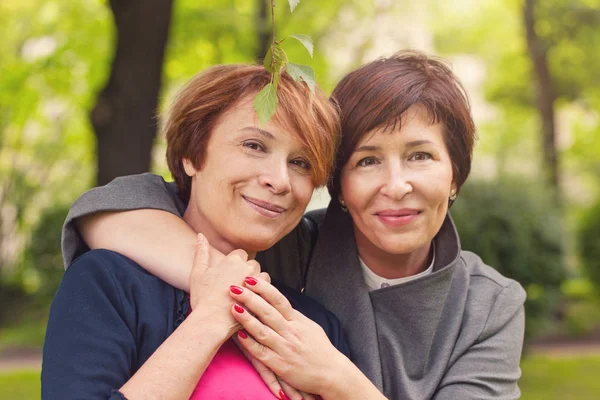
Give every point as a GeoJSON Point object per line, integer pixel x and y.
{"type": "Point", "coordinates": [545, 96]}
{"type": "Point", "coordinates": [124, 117]}
{"type": "Point", "coordinates": [263, 29]}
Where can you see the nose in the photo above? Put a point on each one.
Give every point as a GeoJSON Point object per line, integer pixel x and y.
{"type": "Point", "coordinates": [397, 182]}
{"type": "Point", "coordinates": [276, 177]}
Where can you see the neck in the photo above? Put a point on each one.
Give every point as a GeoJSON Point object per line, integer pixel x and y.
{"type": "Point", "coordinates": [392, 266]}
{"type": "Point", "coordinates": [219, 246]}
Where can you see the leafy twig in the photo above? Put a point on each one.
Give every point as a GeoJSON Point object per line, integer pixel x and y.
{"type": "Point", "coordinates": [265, 102]}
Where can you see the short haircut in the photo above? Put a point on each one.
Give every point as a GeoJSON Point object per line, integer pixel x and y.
{"type": "Point", "coordinates": [308, 116]}
{"type": "Point", "coordinates": [379, 93]}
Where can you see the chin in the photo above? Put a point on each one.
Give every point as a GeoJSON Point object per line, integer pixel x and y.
{"type": "Point", "coordinates": [257, 242]}
{"type": "Point", "coordinates": [400, 245]}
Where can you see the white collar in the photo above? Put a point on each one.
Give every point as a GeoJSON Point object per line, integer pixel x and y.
{"type": "Point", "coordinates": [375, 281]}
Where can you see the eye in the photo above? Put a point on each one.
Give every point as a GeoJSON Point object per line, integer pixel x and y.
{"type": "Point", "coordinates": [301, 163]}
{"type": "Point", "coordinates": [253, 145]}
{"type": "Point", "coordinates": [420, 156]}
{"type": "Point", "coordinates": [367, 161]}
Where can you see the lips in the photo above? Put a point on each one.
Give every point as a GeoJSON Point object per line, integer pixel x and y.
{"type": "Point", "coordinates": [264, 208]}
{"type": "Point", "coordinates": [395, 218]}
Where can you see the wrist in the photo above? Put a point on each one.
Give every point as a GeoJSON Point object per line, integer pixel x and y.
{"type": "Point", "coordinates": [339, 378]}
{"type": "Point", "coordinates": [206, 324]}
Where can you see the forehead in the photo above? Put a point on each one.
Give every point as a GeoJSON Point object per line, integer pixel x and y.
{"type": "Point", "coordinates": [242, 115]}
{"type": "Point", "coordinates": [414, 125]}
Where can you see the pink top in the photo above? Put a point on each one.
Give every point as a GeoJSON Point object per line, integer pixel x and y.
{"type": "Point", "coordinates": [231, 376]}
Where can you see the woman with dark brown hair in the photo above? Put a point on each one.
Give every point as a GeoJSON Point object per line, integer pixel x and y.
{"type": "Point", "coordinates": [424, 319]}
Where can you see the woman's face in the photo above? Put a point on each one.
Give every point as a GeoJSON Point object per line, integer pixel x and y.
{"type": "Point", "coordinates": [253, 186]}
{"type": "Point", "coordinates": [396, 185]}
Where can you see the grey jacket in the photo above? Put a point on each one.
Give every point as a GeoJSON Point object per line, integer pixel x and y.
{"type": "Point", "coordinates": [454, 334]}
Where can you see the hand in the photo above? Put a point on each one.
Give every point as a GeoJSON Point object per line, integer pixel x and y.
{"type": "Point", "coordinates": [291, 345]}
{"type": "Point", "coordinates": [278, 387]}
{"type": "Point", "coordinates": [210, 284]}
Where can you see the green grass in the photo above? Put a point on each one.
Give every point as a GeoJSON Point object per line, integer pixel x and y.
{"type": "Point", "coordinates": [20, 385]}
{"type": "Point", "coordinates": [30, 334]}
{"type": "Point", "coordinates": [564, 378]}
{"type": "Point", "coordinates": [544, 378]}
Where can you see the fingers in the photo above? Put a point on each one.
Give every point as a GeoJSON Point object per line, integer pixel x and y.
{"type": "Point", "coordinates": [272, 296]}
{"type": "Point", "coordinates": [268, 376]}
{"type": "Point", "coordinates": [261, 309]}
{"type": "Point", "coordinates": [239, 253]}
{"type": "Point", "coordinates": [291, 393]}
{"type": "Point", "coordinates": [261, 332]}
{"type": "Point", "coordinates": [265, 276]}
{"type": "Point", "coordinates": [201, 255]}
{"type": "Point", "coordinates": [257, 350]}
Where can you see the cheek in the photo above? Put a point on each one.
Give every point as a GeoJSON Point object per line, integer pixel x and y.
{"type": "Point", "coordinates": [303, 189]}
{"type": "Point", "coordinates": [357, 189]}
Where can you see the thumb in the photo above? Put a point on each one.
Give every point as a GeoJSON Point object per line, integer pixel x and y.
{"type": "Point", "coordinates": [202, 254]}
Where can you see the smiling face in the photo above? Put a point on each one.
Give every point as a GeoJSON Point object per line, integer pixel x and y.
{"type": "Point", "coordinates": [253, 185]}
{"type": "Point", "coordinates": [396, 187]}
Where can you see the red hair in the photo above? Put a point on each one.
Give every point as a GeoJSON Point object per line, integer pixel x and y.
{"type": "Point", "coordinates": [310, 117]}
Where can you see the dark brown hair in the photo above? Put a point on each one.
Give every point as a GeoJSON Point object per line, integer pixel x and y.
{"type": "Point", "coordinates": [311, 118]}
{"type": "Point", "coordinates": [379, 93]}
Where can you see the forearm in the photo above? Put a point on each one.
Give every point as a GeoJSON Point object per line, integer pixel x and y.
{"type": "Point", "coordinates": [351, 384]}
{"type": "Point", "coordinates": [159, 241]}
{"type": "Point", "coordinates": [173, 371]}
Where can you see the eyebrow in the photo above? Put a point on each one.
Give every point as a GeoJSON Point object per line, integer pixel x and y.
{"type": "Point", "coordinates": [416, 143]}
{"type": "Point", "coordinates": [413, 143]}
{"type": "Point", "coordinates": [266, 134]}
{"type": "Point", "coordinates": [367, 148]}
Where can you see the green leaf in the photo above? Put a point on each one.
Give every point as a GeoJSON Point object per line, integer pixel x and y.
{"type": "Point", "coordinates": [274, 64]}
{"type": "Point", "coordinates": [293, 4]}
{"type": "Point", "coordinates": [265, 103]}
{"type": "Point", "coordinates": [302, 73]}
{"type": "Point", "coordinates": [306, 42]}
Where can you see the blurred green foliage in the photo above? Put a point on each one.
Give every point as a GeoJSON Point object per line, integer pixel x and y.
{"type": "Point", "coordinates": [56, 55]}
{"type": "Point", "coordinates": [513, 225]}
{"type": "Point", "coordinates": [589, 244]}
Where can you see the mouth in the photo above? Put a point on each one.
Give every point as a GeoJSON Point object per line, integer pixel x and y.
{"type": "Point", "coordinates": [264, 208]}
{"type": "Point", "coordinates": [396, 218]}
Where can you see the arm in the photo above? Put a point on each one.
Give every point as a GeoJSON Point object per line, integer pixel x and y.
{"type": "Point", "coordinates": [159, 241]}
{"type": "Point", "coordinates": [489, 369]}
{"type": "Point", "coordinates": [91, 346]}
{"type": "Point", "coordinates": [296, 348]}
{"type": "Point", "coordinates": [115, 217]}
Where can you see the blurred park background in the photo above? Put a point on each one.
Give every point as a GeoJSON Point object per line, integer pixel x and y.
{"type": "Point", "coordinates": [81, 81]}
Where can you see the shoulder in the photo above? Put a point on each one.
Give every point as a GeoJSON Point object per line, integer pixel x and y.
{"type": "Point", "coordinates": [484, 277]}
{"type": "Point", "coordinates": [107, 272]}
{"type": "Point", "coordinates": [492, 299]}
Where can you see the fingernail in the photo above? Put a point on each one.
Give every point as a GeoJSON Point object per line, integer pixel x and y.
{"type": "Point", "coordinates": [200, 238]}
{"type": "Point", "coordinates": [282, 395]}
{"type": "Point", "coordinates": [251, 281]}
{"type": "Point", "coordinates": [242, 334]}
{"type": "Point", "coordinates": [238, 308]}
{"type": "Point", "coordinates": [236, 289]}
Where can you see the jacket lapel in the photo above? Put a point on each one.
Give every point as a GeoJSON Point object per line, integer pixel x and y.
{"type": "Point", "coordinates": [335, 279]}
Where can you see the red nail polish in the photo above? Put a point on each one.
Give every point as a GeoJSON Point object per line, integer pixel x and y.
{"type": "Point", "coordinates": [242, 334]}
{"type": "Point", "coordinates": [236, 289]}
{"type": "Point", "coordinates": [282, 395]}
{"type": "Point", "coordinates": [238, 308]}
{"type": "Point", "coordinates": [251, 281]}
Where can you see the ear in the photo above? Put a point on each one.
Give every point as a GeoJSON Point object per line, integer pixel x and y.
{"type": "Point", "coordinates": [340, 198]}
{"type": "Point", "coordinates": [454, 186]}
{"type": "Point", "coordinates": [189, 168]}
